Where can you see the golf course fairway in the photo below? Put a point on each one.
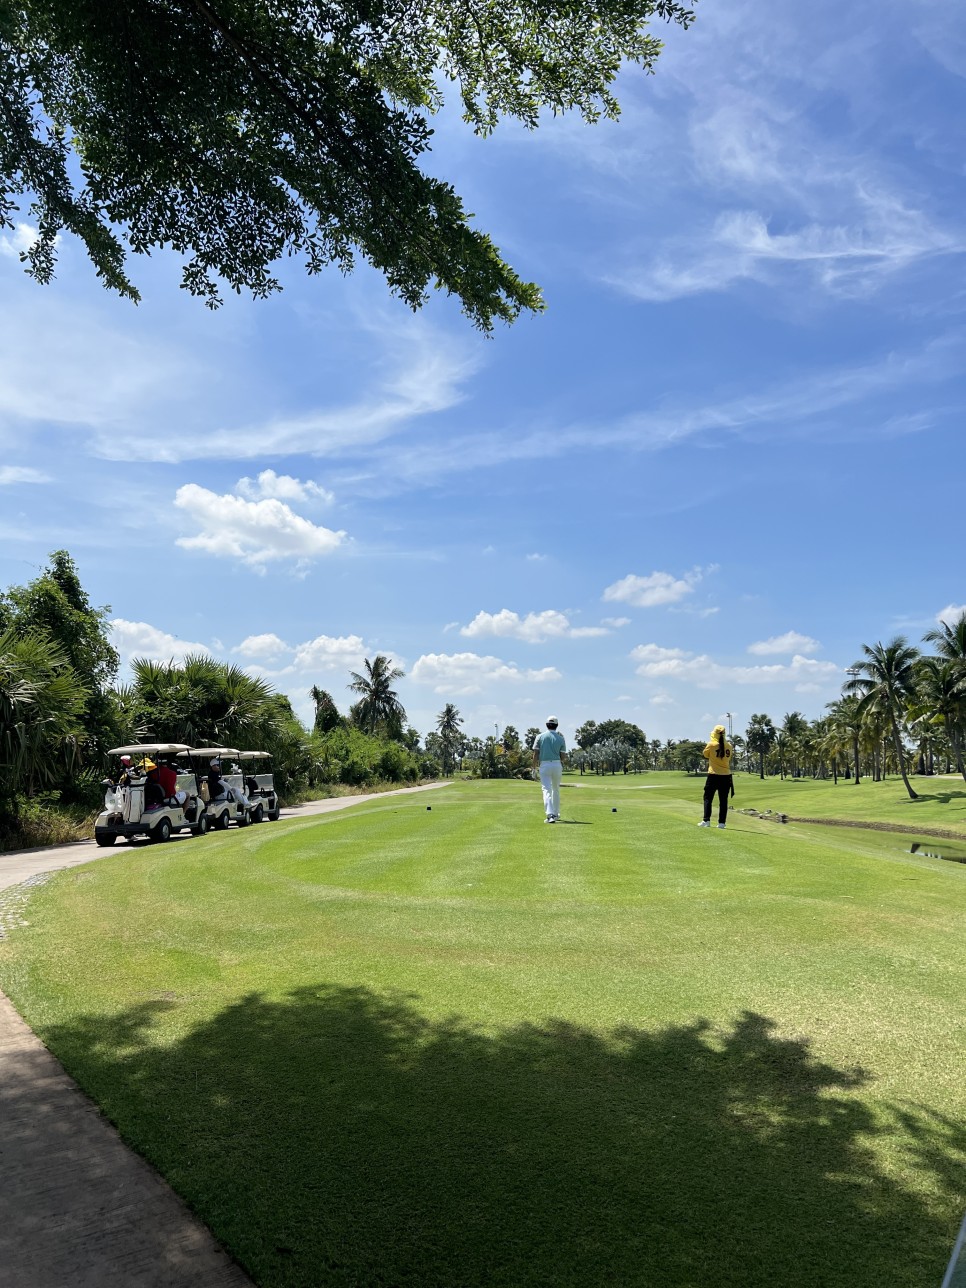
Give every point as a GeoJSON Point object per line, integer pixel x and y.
{"type": "Point", "coordinates": [431, 1041]}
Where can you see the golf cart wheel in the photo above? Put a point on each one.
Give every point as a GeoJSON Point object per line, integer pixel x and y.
{"type": "Point", "coordinates": [244, 818]}
{"type": "Point", "coordinates": [161, 831]}
{"type": "Point", "coordinates": [224, 818]}
{"type": "Point", "coordinates": [258, 814]}
{"type": "Point", "coordinates": [201, 827]}
{"type": "Point", "coordinates": [107, 838]}
{"type": "Point", "coordinates": [274, 813]}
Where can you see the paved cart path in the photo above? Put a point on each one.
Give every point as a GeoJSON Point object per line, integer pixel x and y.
{"type": "Point", "coordinates": [78, 1209]}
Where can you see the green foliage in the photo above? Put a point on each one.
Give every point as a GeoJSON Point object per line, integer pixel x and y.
{"type": "Point", "coordinates": [378, 709]}
{"type": "Point", "coordinates": [347, 755]}
{"type": "Point", "coordinates": [326, 712]}
{"type": "Point", "coordinates": [238, 132]}
{"type": "Point", "coordinates": [688, 755]}
{"type": "Point", "coordinates": [42, 705]}
{"type": "Point", "coordinates": [200, 702]}
{"type": "Point", "coordinates": [884, 680]}
{"type": "Point", "coordinates": [451, 739]}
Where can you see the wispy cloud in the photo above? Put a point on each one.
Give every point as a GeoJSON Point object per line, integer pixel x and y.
{"type": "Point", "coordinates": [11, 474]}
{"type": "Point", "coordinates": [843, 259]}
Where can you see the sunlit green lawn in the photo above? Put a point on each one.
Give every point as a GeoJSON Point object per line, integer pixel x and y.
{"type": "Point", "coordinates": [454, 1046]}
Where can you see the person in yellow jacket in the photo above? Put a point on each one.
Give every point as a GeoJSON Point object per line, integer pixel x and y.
{"type": "Point", "coordinates": [719, 782]}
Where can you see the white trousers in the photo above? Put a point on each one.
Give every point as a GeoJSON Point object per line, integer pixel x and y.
{"type": "Point", "coordinates": [550, 774]}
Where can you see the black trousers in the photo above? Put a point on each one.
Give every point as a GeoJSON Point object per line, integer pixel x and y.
{"type": "Point", "coordinates": [720, 784]}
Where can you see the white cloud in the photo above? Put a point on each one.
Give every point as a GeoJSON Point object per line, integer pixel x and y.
{"type": "Point", "coordinates": [139, 639]}
{"type": "Point", "coordinates": [10, 474]}
{"type": "Point", "coordinates": [20, 240]}
{"type": "Point", "coordinates": [463, 673]}
{"type": "Point", "coordinates": [532, 629]}
{"type": "Point", "coordinates": [264, 646]}
{"type": "Point", "coordinates": [255, 532]}
{"type": "Point", "coordinates": [535, 558]}
{"type": "Point", "coordinates": [951, 614]}
{"type": "Point", "coordinates": [662, 699]}
{"type": "Point", "coordinates": [655, 653]}
{"type": "Point", "coordinates": [790, 642]}
{"type": "Point", "coordinates": [330, 653]}
{"type": "Point", "coordinates": [281, 487]}
{"type": "Point", "coordinates": [705, 673]}
{"type": "Point", "coordinates": [616, 622]}
{"type": "Point", "coordinates": [651, 591]}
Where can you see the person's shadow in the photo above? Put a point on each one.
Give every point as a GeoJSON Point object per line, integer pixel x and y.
{"type": "Point", "coordinates": [338, 1136]}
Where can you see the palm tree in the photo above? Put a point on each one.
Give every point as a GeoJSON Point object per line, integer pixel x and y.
{"type": "Point", "coordinates": [941, 700]}
{"type": "Point", "coordinates": [378, 703]}
{"type": "Point", "coordinates": [847, 724]}
{"type": "Point", "coordinates": [201, 701]}
{"type": "Point", "coordinates": [950, 640]}
{"type": "Point", "coordinates": [448, 726]}
{"type": "Point", "coordinates": [885, 683]}
{"type": "Point", "coordinates": [759, 738]}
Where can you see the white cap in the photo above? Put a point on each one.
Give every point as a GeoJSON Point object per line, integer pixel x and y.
{"type": "Point", "coordinates": [552, 720]}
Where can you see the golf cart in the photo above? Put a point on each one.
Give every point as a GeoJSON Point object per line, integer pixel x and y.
{"type": "Point", "coordinates": [223, 792]}
{"type": "Point", "coordinates": [135, 803]}
{"type": "Point", "coordinates": [260, 785]}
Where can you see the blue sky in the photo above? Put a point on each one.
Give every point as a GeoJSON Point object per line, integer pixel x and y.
{"type": "Point", "coordinates": [729, 453]}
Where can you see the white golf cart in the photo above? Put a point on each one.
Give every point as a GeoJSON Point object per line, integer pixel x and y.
{"type": "Point", "coordinates": [135, 804]}
{"type": "Point", "coordinates": [260, 785]}
{"type": "Point", "coordinates": [221, 786]}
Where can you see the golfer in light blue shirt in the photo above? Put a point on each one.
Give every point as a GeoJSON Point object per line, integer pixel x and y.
{"type": "Point", "coordinates": [549, 757]}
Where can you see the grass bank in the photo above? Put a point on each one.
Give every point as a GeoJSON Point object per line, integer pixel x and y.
{"type": "Point", "coordinates": [432, 1041]}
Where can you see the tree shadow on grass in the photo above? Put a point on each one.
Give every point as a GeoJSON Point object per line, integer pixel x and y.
{"type": "Point", "coordinates": [339, 1137]}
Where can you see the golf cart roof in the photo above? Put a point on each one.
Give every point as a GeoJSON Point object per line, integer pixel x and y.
{"type": "Point", "coordinates": [214, 751]}
{"type": "Point", "coordinates": [146, 748]}
{"type": "Point", "coordinates": [255, 755]}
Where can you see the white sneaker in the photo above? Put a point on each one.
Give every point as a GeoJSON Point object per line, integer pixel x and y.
{"type": "Point", "coordinates": [721, 827]}
{"type": "Point", "coordinates": [704, 824]}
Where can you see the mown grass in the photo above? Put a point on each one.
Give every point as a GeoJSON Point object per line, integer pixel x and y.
{"type": "Point", "coordinates": [453, 1046]}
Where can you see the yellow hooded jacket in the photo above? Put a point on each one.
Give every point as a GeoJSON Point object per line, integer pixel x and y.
{"type": "Point", "coordinates": [718, 764]}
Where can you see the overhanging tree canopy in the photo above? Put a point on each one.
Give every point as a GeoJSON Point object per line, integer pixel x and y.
{"type": "Point", "coordinates": [240, 131]}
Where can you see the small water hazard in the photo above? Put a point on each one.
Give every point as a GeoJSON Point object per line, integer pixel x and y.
{"type": "Point", "coordinates": [939, 850]}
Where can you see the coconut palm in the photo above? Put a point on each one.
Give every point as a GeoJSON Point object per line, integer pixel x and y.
{"type": "Point", "coordinates": [885, 684]}
{"type": "Point", "coordinates": [760, 738]}
{"type": "Point", "coordinates": [950, 639]}
{"type": "Point", "coordinates": [941, 700]}
{"type": "Point", "coordinates": [378, 704]}
{"type": "Point", "coordinates": [847, 727]}
{"type": "Point", "coordinates": [448, 726]}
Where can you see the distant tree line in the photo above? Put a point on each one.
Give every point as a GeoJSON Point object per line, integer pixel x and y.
{"type": "Point", "coordinates": [902, 711]}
